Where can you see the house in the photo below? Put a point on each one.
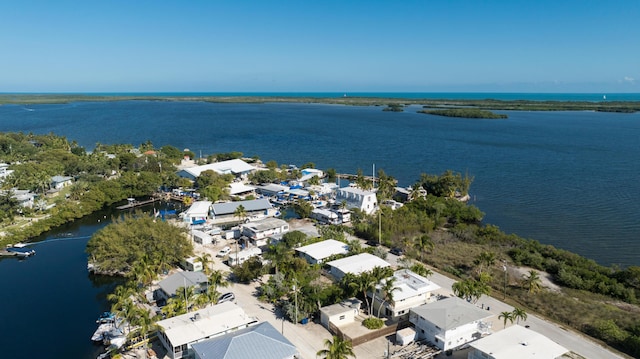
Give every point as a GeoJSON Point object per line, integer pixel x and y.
{"type": "Point", "coordinates": [24, 197]}
{"type": "Point", "coordinates": [236, 258]}
{"type": "Point", "coordinates": [308, 173]}
{"type": "Point", "coordinates": [258, 341]}
{"type": "Point", "coordinates": [201, 237]}
{"type": "Point", "coordinates": [315, 253]}
{"type": "Point", "coordinates": [516, 342]}
{"type": "Point", "coordinates": [259, 231]}
{"type": "Point", "coordinates": [410, 290]}
{"type": "Point", "coordinates": [323, 189]}
{"type": "Point", "coordinates": [254, 210]}
{"type": "Point", "coordinates": [340, 314]}
{"type": "Point", "coordinates": [241, 189]}
{"type": "Point", "coordinates": [271, 189]}
{"type": "Point", "coordinates": [325, 216]}
{"type": "Point", "coordinates": [198, 212]}
{"type": "Point", "coordinates": [354, 197]}
{"type": "Point", "coordinates": [360, 263]}
{"type": "Point", "coordinates": [237, 167]}
{"type": "Point", "coordinates": [60, 182]}
{"type": "Point", "coordinates": [450, 323]}
{"type": "Point", "coordinates": [179, 333]}
{"type": "Point", "coordinates": [4, 171]}
{"type": "Point", "coordinates": [169, 285]}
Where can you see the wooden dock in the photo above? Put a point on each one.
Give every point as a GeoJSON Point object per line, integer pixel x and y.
{"type": "Point", "coordinates": [136, 203]}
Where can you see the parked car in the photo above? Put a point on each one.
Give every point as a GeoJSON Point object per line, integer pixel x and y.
{"type": "Point", "coordinates": [397, 251]}
{"type": "Point", "coordinates": [373, 243]}
{"type": "Point", "coordinates": [226, 297]}
{"type": "Point", "coordinates": [224, 251]}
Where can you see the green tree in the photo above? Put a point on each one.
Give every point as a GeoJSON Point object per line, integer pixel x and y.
{"type": "Point", "coordinates": [387, 289]}
{"type": "Point", "coordinates": [517, 314]}
{"type": "Point", "coordinates": [337, 348]}
{"type": "Point", "coordinates": [303, 208]}
{"type": "Point", "coordinates": [423, 244]}
{"type": "Point", "coordinates": [485, 259]}
{"type": "Point", "coordinates": [240, 213]}
{"type": "Point", "coordinates": [206, 261]}
{"type": "Point", "coordinates": [532, 281]}
{"type": "Point", "coordinates": [506, 316]}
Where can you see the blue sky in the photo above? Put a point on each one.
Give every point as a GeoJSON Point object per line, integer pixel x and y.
{"type": "Point", "coordinates": [319, 46]}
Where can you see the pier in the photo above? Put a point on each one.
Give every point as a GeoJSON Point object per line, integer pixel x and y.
{"type": "Point", "coordinates": [135, 203]}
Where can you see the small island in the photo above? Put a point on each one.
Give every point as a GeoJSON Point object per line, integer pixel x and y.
{"type": "Point", "coordinates": [465, 113]}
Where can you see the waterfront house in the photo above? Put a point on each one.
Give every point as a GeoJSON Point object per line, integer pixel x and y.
{"type": "Point", "coordinates": [179, 333]}
{"type": "Point", "coordinates": [410, 290]}
{"type": "Point", "coordinates": [317, 252]}
{"type": "Point", "coordinates": [60, 182]}
{"type": "Point", "coordinates": [169, 285]}
{"type": "Point", "coordinates": [354, 197]}
{"type": "Point", "coordinates": [236, 167]}
{"type": "Point", "coordinates": [340, 314]}
{"type": "Point", "coordinates": [254, 210]}
{"type": "Point", "coordinates": [450, 323]}
{"type": "Point", "coordinates": [516, 342]}
{"type": "Point", "coordinates": [198, 212]}
{"type": "Point", "coordinates": [258, 341]}
{"type": "Point", "coordinates": [360, 263]}
{"type": "Point", "coordinates": [259, 231]}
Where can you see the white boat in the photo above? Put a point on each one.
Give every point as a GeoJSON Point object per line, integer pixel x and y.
{"type": "Point", "coordinates": [98, 335]}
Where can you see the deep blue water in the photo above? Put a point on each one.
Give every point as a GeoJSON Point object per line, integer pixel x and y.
{"type": "Point", "coordinates": [565, 178]}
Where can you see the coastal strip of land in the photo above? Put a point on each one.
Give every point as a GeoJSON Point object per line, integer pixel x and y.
{"type": "Point", "coordinates": [485, 104]}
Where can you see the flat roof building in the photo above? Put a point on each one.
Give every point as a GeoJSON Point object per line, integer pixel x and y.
{"type": "Point", "coordinates": [516, 342]}
{"type": "Point", "coordinates": [360, 263]}
{"type": "Point", "coordinates": [317, 252]}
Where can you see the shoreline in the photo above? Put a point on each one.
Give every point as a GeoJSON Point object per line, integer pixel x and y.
{"type": "Point", "coordinates": [488, 103]}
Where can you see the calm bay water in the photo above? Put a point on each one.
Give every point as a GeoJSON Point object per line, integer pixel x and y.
{"type": "Point", "coordinates": [568, 178]}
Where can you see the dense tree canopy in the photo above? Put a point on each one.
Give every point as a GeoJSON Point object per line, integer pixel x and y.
{"type": "Point", "coordinates": [119, 246]}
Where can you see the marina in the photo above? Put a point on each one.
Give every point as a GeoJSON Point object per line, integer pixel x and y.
{"type": "Point", "coordinates": [133, 203]}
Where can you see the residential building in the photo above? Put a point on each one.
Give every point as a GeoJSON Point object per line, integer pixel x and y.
{"type": "Point", "coordinates": [192, 264]}
{"type": "Point", "coordinates": [259, 231]}
{"type": "Point", "coordinates": [198, 212]}
{"type": "Point", "coordinates": [325, 216]}
{"type": "Point", "coordinates": [354, 197]}
{"type": "Point", "coordinates": [237, 167]}
{"type": "Point", "coordinates": [450, 323]}
{"type": "Point", "coordinates": [4, 171]}
{"type": "Point", "coordinates": [254, 210]}
{"type": "Point", "coordinates": [60, 182]}
{"type": "Point", "coordinates": [258, 341]}
{"type": "Point", "coordinates": [170, 285]}
{"type": "Point", "coordinates": [317, 252]}
{"type": "Point", "coordinates": [340, 314]}
{"type": "Point", "coordinates": [179, 333]}
{"type": "Point", "coordinates": [516, 342]}
{"type": "Point", "coordinates": [360, 263]}
{"type": "Point", "coordinates": [410, 290]}
{"type": "Point", "coordinates": [236, 258]}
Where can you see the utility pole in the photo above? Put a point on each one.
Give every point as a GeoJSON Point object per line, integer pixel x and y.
{"type": "Point", "coordinates": [295, 294]}
{"type": "Point", "coordinates": [504, 268]}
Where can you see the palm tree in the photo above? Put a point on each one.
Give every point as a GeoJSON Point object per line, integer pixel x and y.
{"type": "Point", "coordinates": [517, 314]}
{"type": "Point", "coordinates": [420, 269]}
{"type": "Point", "coordinates": [363, 283]}
{"type": "Point", "coordinates": [532, 281]}
{"type": "Point", "coordinates": [240, 213]}
{"type": "Point", "coordinates": [388, 288]}
{"type": "Point", "coordinates": [377, 274]}
{"type": "Point", "coordinates": [485, 258]}
{"type": "Point", "coordinates": [506, 316]}
{"type": "Point", "coordinates": [216, 279]}
{"type": "Point", "coordinates": [119, 296]}
{"type": "Point", "coordinates": [205, 259]}
{"type": "Point", "coordinates": [336, 349]}
{"type": "Point", "coordinates": [423, 244]}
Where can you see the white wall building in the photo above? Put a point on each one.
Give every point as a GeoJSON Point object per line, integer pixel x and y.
{"type": "Point", "coordinates": [365, 201]}
{"type": "Point", "coordinates": [516, 342]}
{"type": "Point", "coordinates": [360, 263]}
{"type": "Point", "coordinates": [450, 323]}
{"type": "Point", "coordinates": [410, 290]}
{"type": "Point", "coordinates": [325, 216]}
{"type": "Point", "coordinates": [317, 252]}
{"type": "Point", "coordinates": [198, 212]}
{"type": "Point", "coordinates": [178, 333]}
{"type": "Point", "coordinates": [260, 231]}
{"type": "Point", "coordinates": [340, 314]}
{"type": "Point", "coordinates": [237, 167]}
{"type": "Point", "coordinates": [236, 258]}
{"type": "Point", "coordinates": [254, 209]}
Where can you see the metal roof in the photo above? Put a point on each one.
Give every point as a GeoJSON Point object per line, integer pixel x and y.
{"type": "Point", "coordinates": [260, 341]}
{"type": "Point", "coordinates": [249, 206]}
{"type": "Point", "coordinates": [181, 279]}
{"type": "Point", "coordinates": [324, 249]}
{"type": "Point", "coordinates": [451, 313]}
{"type": "Point", "coordinates": [357, 264]}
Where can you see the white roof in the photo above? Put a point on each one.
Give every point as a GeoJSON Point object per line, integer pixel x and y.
{"type": "Point", "coordinates": [246, 253]}
{"type": "Point", "coordinates": [224, 167]}
{"type": "Point", "coordinates": [266, 224]}
{"type": "Point", "coordinates": [324, 249]}
{"type": "Point", "coordinates": [199, 207]}
{"type": "Point", "coordinates": [355, 190]}
{"type": "Point", "coordinates": [213, 320]}
{"type": "Point", "coordinates": [239, 187]}
{"type": "Point", "coordinates": [410, 285]}
{"type": "Point", "coordinates": [359, 263]}
{"type": "Point", "coordinates": [519, 342]}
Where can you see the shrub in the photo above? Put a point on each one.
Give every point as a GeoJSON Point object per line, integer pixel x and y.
{"type": "Point", "coordinates": [373, 323]}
